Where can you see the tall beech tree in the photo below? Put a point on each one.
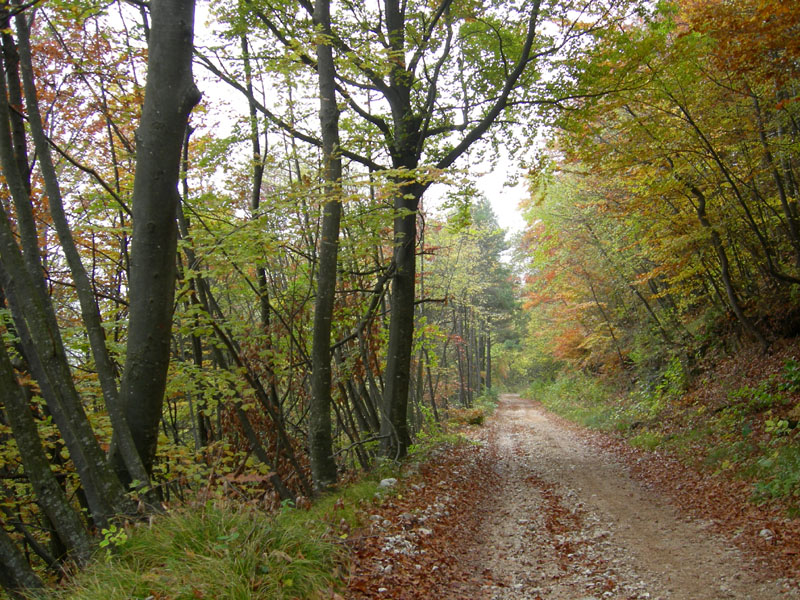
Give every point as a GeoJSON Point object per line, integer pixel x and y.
{"type": "Point", "coordinates": [90, 312]}
{"type": "Point", "coordinates": [170, 95]}
{"type": "Point", "coordinates": [323, 465]}
{"type": "Point", "coordinates": [41, 351]}
{"type": "Point", "coordinates": [22, 279]}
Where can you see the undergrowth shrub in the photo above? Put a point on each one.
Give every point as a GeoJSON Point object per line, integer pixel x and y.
{"type": "Point", "coordinates": [467, 416]}
{"type": "Point", "coordinates": [482, 408]}
{"type": "Point", "coordinates": [791, 376]}
{"type": "Point", "coordinates": [779, 474]}
{"type": "Point", "coordinates": [488, 399]}
{"type": "Point", "coordinates": [764, 396]}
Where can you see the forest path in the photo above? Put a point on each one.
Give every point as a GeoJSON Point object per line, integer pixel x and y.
{"type": "Point", "coordinates": [569, 522]}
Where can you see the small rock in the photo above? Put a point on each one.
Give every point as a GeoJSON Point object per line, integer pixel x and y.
{"type": "Point", "coordinates": [424, 531]}
{"type": "Point", "coordinates": [382, 590]}
{"type": "Point", "coordinates": [387, 483]}
{"type": "Point", "coordinates": [767, 534]}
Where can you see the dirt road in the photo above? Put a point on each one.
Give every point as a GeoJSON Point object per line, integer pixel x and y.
{"type": "Point", "coordinates": [571, 523]}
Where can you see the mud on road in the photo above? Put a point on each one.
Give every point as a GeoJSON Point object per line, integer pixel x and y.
{"type": "Point", "coordinates": [569, 523]}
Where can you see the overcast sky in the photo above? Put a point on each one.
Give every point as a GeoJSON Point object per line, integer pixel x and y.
{"type": "Point", "coordinates": [504, 199]}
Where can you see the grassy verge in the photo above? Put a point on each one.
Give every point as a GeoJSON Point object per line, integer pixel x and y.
{"type": "Point", "coordinates": [579, 398]}
{"type": "Point", "coordinates": [222, 549]}
{"type": "Point", "coordinates": [216, 550]}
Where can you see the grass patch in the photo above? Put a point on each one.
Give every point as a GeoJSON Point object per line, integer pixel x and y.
{"type": "Point", "coordinates": [437, 435]}
{"type": "Point", "coordinates": [219, 550]}
{"type": "Point", "coordinates": [649, 440]}
{"type": "Point", "coordinates": [579, 398]}
{"type": "Point", "coordinates": [213, 551]}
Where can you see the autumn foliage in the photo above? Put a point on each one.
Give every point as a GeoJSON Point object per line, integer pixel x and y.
{"type": "Point", "coordinates": [664, 214]}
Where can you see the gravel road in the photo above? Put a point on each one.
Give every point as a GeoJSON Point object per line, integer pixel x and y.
{"type": "Point", "coordinates": [569, 523]}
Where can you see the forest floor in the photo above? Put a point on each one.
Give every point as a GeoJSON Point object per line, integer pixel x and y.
{"type": "Point", "coordinates": [540, 509]}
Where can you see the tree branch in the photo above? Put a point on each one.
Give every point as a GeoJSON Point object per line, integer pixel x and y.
{"type": "Point", "coordinates": [276, 120]}
{"type": "Point", "coordinates": [502, 101]}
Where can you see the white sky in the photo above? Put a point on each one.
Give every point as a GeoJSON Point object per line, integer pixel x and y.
{"type": "Point", "coordinates": [495, 184]}
{"type": "Point", "coordinates": [503, 198]}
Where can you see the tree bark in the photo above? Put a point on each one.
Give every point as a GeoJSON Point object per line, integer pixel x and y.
{"type": "Point", "coordinates": [488, 359]}
{"type": "Point", "coordinates": [395, 438]}
{"type": "Point", "coordinates": [19, 139]}
{"type": "Point", "coordinates": [16, 574]}
{"type": "Point", "coordinates": [68, 524]}
{"type": "Point", "coordinates": [323, 465]}
{"type": "Point", "coordinates": [170, 95]}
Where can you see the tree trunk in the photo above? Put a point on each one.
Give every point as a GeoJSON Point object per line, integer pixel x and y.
{"type": "Point", "coordinates": [90, 312]}
{"type": "Point", "coordinates": [733, 299]}
{"type": "Point", "coordinates": [488, 360]}
{"type": "Point", "coordinates": [19, 137]}
{"type": "Point", "coordinates": [793, 227]}
{"type": "Point", "coordinates": [482, 360]}
{"type": "Point", "coordinates": [323, 465]}
{"type": "Point", "coordinates": [49, 495]}
{"type": "Point", "coordinates": [170, 95]}
{"type": "Point", "coordinates": [431, 388]}
{"type": "Point", "coordinates": [16, 574]}
{"type": "Point", "coordinates": [203, 437]}
{"type": "Point", "coordinates": [394, 426]}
